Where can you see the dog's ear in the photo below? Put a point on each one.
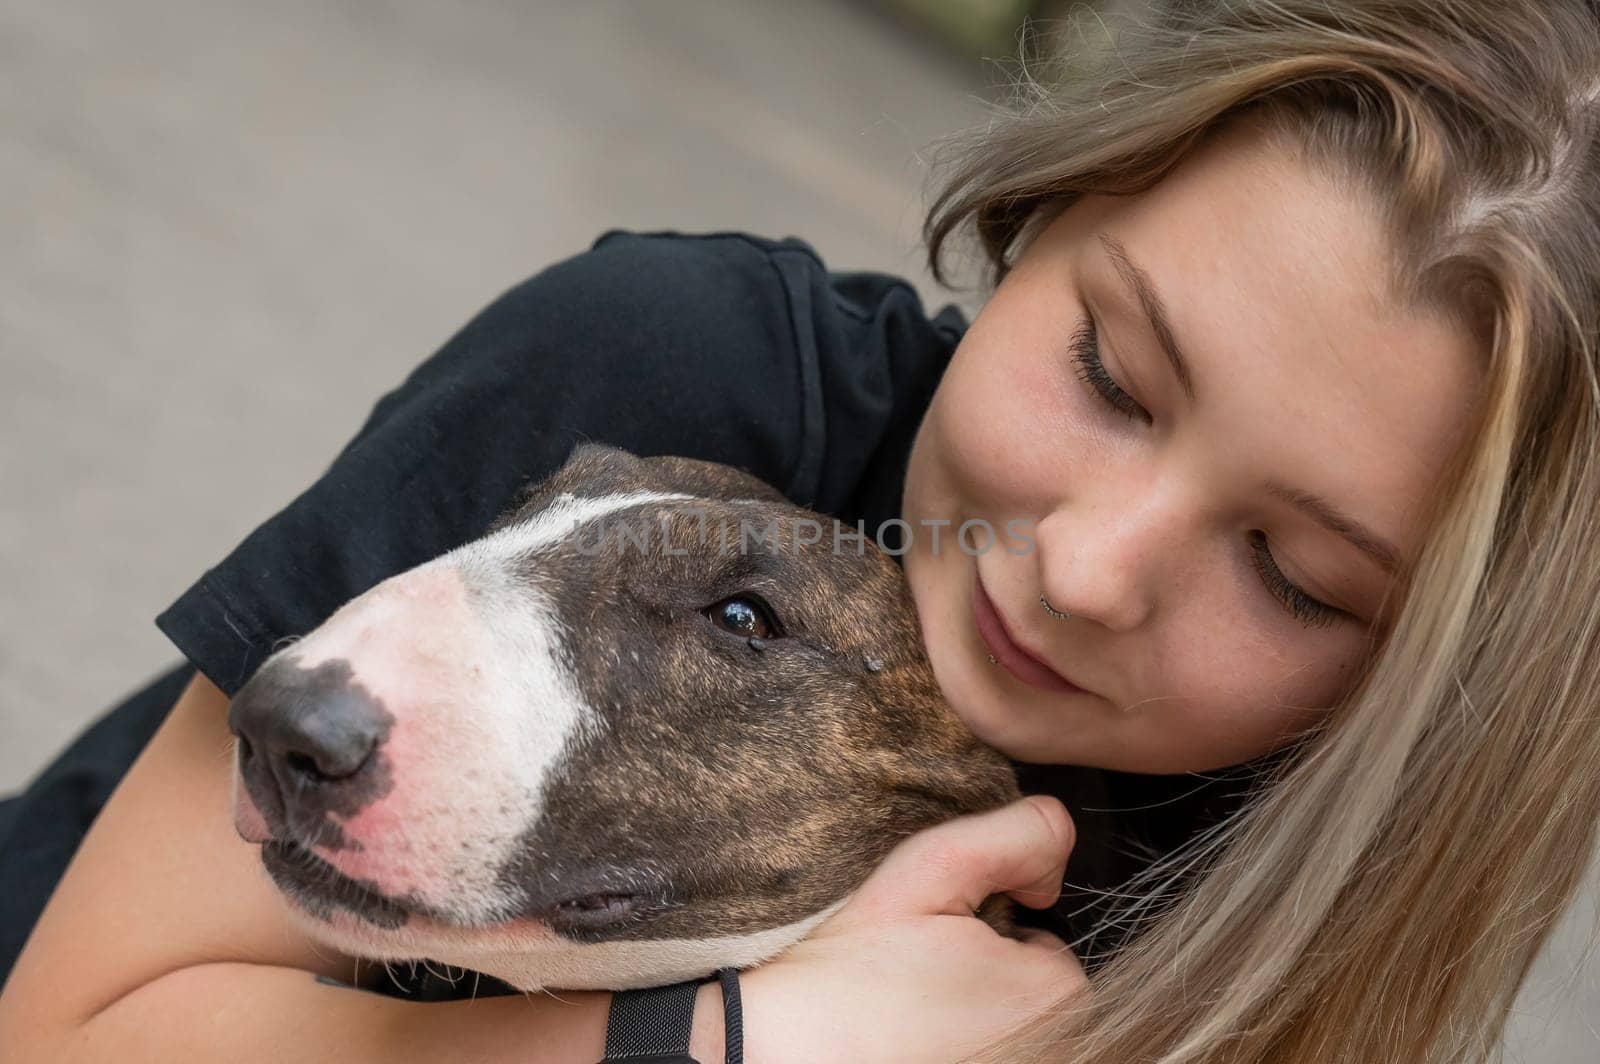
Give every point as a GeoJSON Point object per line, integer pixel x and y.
{"type": "Point", "coordinates": [596, 469]}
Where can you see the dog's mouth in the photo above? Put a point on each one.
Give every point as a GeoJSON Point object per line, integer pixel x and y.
{"type": "Point", "coordinates": [321, 890]}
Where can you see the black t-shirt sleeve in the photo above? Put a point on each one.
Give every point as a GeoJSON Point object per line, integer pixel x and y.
{"type": "Point", "coordinates": [722, 346]}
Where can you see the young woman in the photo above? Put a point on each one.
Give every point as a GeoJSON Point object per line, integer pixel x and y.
{"type": "Point", "coordinates": [1290, 364]}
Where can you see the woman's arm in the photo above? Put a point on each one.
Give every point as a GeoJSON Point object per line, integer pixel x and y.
{"type": "Point", "coordinates": [166, 941]}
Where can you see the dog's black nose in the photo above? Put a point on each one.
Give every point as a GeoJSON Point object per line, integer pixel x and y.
{"type": "Point", "coordinates": [307, 743]}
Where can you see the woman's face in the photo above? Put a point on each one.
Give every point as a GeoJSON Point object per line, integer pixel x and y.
{"type": "Point", "coordinates": [1220, 535]}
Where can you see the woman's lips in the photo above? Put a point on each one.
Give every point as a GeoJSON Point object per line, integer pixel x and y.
{"type": "Point", "coordinates": [1024, 666]}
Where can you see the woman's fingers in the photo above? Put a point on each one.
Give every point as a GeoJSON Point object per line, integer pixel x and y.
{"type": "Point", "coordinates": [1020, 849]}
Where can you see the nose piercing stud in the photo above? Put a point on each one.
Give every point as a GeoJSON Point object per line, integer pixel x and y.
{"type": "Point", "coordinates": [993, 660]}
{"type": "Point", "coordinates": [1059, 615]}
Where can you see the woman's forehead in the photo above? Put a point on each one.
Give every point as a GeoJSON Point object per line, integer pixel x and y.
{"type": "Point", "coordinates": [1245, 222]}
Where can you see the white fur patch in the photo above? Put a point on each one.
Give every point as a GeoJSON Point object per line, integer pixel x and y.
{"type": "Point", "coordinates": [525, 698]}
{"type": "Point", "coordinates": [530, 691]}
{"type": "Point", "coordinates": [565, 515]}
{"type": "Point", "coordinates": [530, 957]}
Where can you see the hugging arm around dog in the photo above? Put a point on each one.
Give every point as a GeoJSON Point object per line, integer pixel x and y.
{"type": "Point", "coordinates": [1291, 368]}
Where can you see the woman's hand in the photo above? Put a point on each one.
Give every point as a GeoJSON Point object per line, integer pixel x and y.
{"type": "Point", "coordinates": [905, 972]}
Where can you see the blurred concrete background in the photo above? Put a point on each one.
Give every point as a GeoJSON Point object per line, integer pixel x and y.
{"type": "Point", "coordinates": [229, 227]}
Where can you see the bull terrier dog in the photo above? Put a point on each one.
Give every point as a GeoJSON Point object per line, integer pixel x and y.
{"type": "Point", "coordinates": [644, 728]}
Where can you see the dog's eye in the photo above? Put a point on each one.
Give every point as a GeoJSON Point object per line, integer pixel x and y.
{"type": "Point", "coordinates": [745, 614]}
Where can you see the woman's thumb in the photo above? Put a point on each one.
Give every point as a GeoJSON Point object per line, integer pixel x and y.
{"type": "Point", "coordinates": [1019, 849]}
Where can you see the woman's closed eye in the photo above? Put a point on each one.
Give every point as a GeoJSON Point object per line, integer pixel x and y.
{"type": "Point", "coordinates": [1085, 348]}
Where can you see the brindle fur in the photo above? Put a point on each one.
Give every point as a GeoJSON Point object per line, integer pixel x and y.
{"type": "Point", "coordinates": [719, 787]}
{"type": "Point", "coordinates": [758, 787]}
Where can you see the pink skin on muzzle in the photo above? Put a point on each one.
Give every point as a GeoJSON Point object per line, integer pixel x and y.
{"type": "Point", "coordinates": [456, 801]}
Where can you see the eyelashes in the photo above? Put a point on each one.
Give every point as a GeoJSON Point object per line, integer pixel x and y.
{"type": "Point", "coordinates": [1085, 348]}
{"type": "Point", "coordinates": [1305, 609]}
{"type": "Point", "coordinates": [1085, 353]}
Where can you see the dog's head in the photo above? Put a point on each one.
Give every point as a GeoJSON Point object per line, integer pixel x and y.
{"type": "Point", "coordinates": [659, 719]}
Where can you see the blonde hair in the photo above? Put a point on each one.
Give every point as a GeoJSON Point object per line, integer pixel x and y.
{"type": "Point", "coordinates": [1383, 895]}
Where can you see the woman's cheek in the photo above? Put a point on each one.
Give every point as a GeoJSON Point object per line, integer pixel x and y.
{"type": "Point", "coordinates": [1254, 700]}
{"type": "Point", "coordinates": [1011, 432]}
{"type": "Point", "coordinates": [1289, 665]}
{"type": "Point", "coordinates": [983, 439]}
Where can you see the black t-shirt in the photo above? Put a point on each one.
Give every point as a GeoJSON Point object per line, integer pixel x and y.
{"type": "Point", "coordinates": [722, 346]}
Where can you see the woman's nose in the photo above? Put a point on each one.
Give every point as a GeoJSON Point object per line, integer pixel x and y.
{"type": "Point", "coordinates": [1109, 563]}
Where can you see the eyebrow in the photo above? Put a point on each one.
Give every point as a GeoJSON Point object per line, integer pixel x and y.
{"type": "Point", "coordinates": [1154, 309]}
{"type": "Point", "coordinates": [1323, 512]}
{"type": "Point", "coordinates": [1313, 506]}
